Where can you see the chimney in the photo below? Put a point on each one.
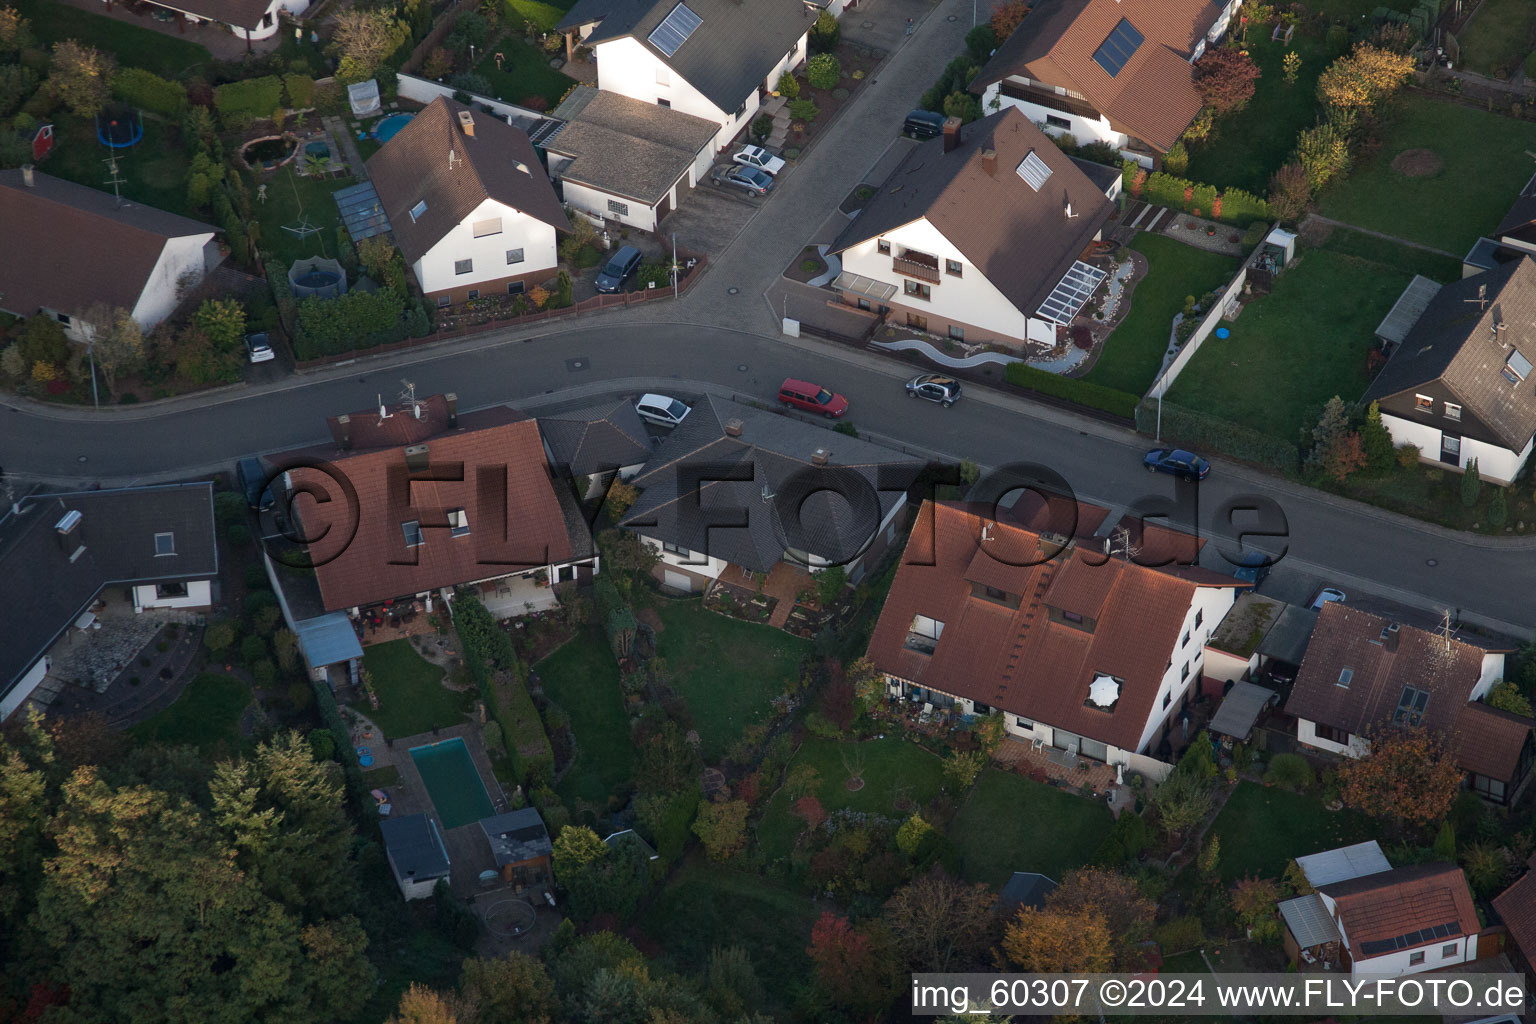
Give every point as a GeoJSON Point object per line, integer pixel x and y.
{"type": "Point", "coordinates": [28, 176]}
{"type": "Point", "coordinates": [453, 409]}
{"type": "Point", "coordinates": [71, 535]}
{"type": "Point", "coordinates": [416, 458]}
{"type": "Point", "coordinates": [344, 425]}
{"type": "Point", "coordinates": [733, 428]}
{"type": "Point", "coordinates": [467, 122]}
{"type": "Point", "coordinates": [989, 162]}
{"type": "Point", "coordinates": [820, 456]}
{"type": "Point", "coordinates": [951, 134]}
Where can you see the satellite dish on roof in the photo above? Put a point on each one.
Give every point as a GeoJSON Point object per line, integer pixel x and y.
{"type": "Point", "coordinates": [1104, 691]}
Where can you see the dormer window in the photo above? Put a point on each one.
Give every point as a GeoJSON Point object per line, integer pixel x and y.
{"type": "Point", "coordinates": [1516, 367]}
{"type": "Point", "coordinates": [923, 635]}
{"type": "Point", "coordinates": [458, 522]}
{"type": "Point", "coordinates": [417, 210]}
{"type": "Point", "coordinates": [1410, 706]}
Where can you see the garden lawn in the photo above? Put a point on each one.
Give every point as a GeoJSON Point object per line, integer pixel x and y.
{"type": "Point", "coordinates": [706, 905]}
{"type": "Point", "coordinates": [154, 172]}
{"type": "Point", "coordinates": [205, 716]}
{"type": "Point", "coordinates": [892, 768]}
{"type": "Point", "coordinates": [1499, 37]}
{"type": "Point", "coordinates": [545, 15]}
{"type": "Point", "coordinates": [1292, 350]}
{"type": "Point", "coordinates": [1133, 353]}
{"type": "Point", "coordinates": [1250, 145]}
{"type": "Point", "coordinates": [290, 196]}
{"type": "Point", "coordinates": [583, 679]}
{"type": "Point", "coordinates": [1444, 269]}
{"type": "Point", "coordinates": [998, 829]}
{"type": "Point", "coordinates": [412, 698]}
{"type": "Point", "coordinates": [727, 670]}
{"type": "Point", "coordinates": [133, 46]}
{"type": "Point", "coordinates": [1264, 828]}
{"type": "Point", "coordinates": [1485, 166]}
{"type": "Point", "coordinates": [524, 73]}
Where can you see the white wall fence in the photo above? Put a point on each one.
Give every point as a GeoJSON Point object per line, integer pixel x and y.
{"type": "Point", "coordinates": [1151, 767]}
{"type": "Point", "coordinates": [1211, 321]}
{"type": "Point", "coordinates": [424, 90]}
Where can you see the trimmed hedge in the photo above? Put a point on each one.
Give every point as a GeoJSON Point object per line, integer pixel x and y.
{"type": "Point", "coordinates": [1237, 206]}
{"type": "Point", "coordinates": [352, 321]}
{"type": "Point", "coordinates": [255, 97]}
{"type": "Point", "coordinates": [357, 789]}
{"type": "Point", "coordinates": [1094, 396]}
{"type": "Point", "coordinates": [301, 91]}
{"type": "Point", "coordinates": [150, 92]}
{"type": "Point", "coordinates": [489, 654]}
{"type": "Point", "coordinates": [1198, 430]}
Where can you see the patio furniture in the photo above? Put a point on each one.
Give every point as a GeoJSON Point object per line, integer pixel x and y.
{"type": "Point", "coordinates": [366, 760]}
{"type": "Point", "coordinates": [1036, 744]}
{"type": "Point", "coordinates": [926, 715]}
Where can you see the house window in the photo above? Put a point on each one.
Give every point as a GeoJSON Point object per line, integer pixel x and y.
{"type": "Point", "coordinates": [444, 301]}
{"type": "Point", "coordinates": [514, 256]}
{"type": "Point", "coordinates": [1453, 411]}
{"type": "Point", "coordinates": [1023, 723]}
{"type": "Point", "coordinates": [1516, 367]}
{"type": "Point", "coordinates": [1414, 959]}
{"type": "Point", "coordinates": [487, 227]}
{"type": "Point", "coordinates": [474, 293]}
{"type": "Point", "coordinates": [618, 208]}
{"type": "Point", "coordinates": [1185, 641]}
{"type": "Point", "coordinates": [924, 626]}
{"type": "Point", "coordinates": [458, 522]}
{"type": "Point", "coordinates": [266, 20]}
{"type": "Point", "coordinates": [663, 103]}
{"type": "Point", "coordinates": [863, 303]}
{"type": "Point", "coordinates": [170, 591]}
{"type": "Point", "coordinates": [1184, 672]}
{"type": "Point", "coordinates": [675, 550]}
{"type": "Point", "coordinates": [1493, 789]}
{"type": "Point", "coordinates": [741, 109]}
{"type": "Point", "coordinates": [1199, 617]}
{"type": "Point", "coordinates": [1449, 950]}
{"type": "Point", "coordinates": [412, 531]}
{"type": "Point", "coordinates": [1423, 403]}
{"type": "Point", "coordinates": [1052, 121]}
{"type": "Point", "coordinates": [463, 266]}
{"type": "Point", "coordinates": [917, 290]}
{"type": "Point", "coordinates": [165, 544]}
{"type": "Point", "coordinates": [958, 333]}
{"type": "Point", "coordinates": [994, 594]}
{"type": "Point", "coordinates": [417, 210]}
{"type": "Point", "coordinates": [662, 78]}
{"type": "Point", "coordinates": [62, 318]}
{"type": "Point", "coordinates": [883, 247]}
{"type": "Point", "coordinates": [1410, 706]}
{"type": "Point", "coordinates": [1331, 734]}
{"type": "Point", "coordinates": [953, 268]}
{"type": "Point", "coordinates": [1167, 699]}
{"type": "Point", "coordinates": [516, 287]}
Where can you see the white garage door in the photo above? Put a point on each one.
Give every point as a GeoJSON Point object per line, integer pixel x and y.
{"type": "Point", "coordinates": [680, 580]}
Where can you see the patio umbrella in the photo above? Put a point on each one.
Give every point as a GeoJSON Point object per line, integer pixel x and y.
{"type": "Point", "coordinates": [1104, 691]}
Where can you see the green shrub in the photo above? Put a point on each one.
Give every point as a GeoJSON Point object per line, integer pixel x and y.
{"type": "Point", "coordinates": [218, 637]}
{"type": "Point", "coordinates": [322, 743]}
{"type": "Point", "coordinates": [150, 92]}
{"type": "Point", "coordinates": [825, 34]}
{"type": "Point", "coordinates": [1530, 66]}
{"type": "Point", "coordinates": [980, 42]}
{"type": "Point", "coordinates": [1471, 485]}
{"type": "Point", "coordinates": [229, 507]}
{"type": "Point", "coordinates": [356, 320]}
{"type": "Point", "coordinates": [762, 127]}
{"type": "Point", "coordinates": [238, 534]}
{"type": "Point", "coordinates": [803, 110]}
{"type": "Point", "coordinates": [301, 91]}
{"type": "Point", "coordinates": [1094, 396]}
{"type": "Point", "coordinates": [1180, 935]}
{"type": "Point", "coordinates": [1290, 771]}
{"type": "Point", "coordinates": [1498, 508]}
{"type": "Point", "coordinates": [788, 87]}
{"type": "Point", "coordinates": [492, 661]}
{"type": "Point", "coordinates": [962, 105]}
{"type": "Point", "coordinates": [1337, 39]}
{"type": "Point", "coordinates": [1177, 159]}
{"type": "Point", "coordinates": [252, 98]}
{"type": "Point", "coordinates": [253, 649]}
{"type": "Point", "coordinates": [1127, 838]}
{"type": "Point", "coordinates": [1198, 430]}
{"type": "Point", "coordinates": [653, 272]}
{"type": "Point", "coordinates": [823, 71]}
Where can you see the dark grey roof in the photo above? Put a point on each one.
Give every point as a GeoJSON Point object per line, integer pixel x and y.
{"type": "Point", "coordinates": [1288, 637]}
{"type": "Point", "coordinates": [415, 848]}
{"type": "Point", "coordinates": [1026, 889]}
{"type": "Point", "coordinates": [597, 440]}
{"type": "Point", "coordinates": [734, 497]}
{"type": "Point", "coordinates": [48, 586]}
{"type": "Point", "coordinates": [634, 149]}
{"type": "Point", "coordinates": [1455, 342]}
{"type": "Point", "coordinates": [726, 57]}
{"type": "Point", "coordinates": [517, 836]}
{"type": "Point", "coordinates": [1022, 240]}
{"type": "Point", "coordinates": [1102, 175]}
{"type": "Point", "coordinates": [1520, 221]}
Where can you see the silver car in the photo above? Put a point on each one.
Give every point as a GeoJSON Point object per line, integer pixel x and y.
{"type": "Point", "coordinates": [935, 387]}
{"type": "Point", "coordinates": [661, 410]}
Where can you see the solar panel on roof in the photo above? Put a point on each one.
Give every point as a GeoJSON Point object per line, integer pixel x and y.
{"type": "Point", "coordinates": [1034, 171]}
{"type": "Point", "coordinates": [675, 29]}
{"type": "Point", "coordinates": [1117, 48]}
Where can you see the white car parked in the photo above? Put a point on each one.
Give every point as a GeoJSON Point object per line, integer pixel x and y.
{"type": "Point", "coordinates": [661, 410]}
{"type": "Point", "coordinates": [757, 156]}
{"type": "Point", "coordinates": [259, 347]}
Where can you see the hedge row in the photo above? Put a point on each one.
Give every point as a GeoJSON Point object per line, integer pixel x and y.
{"type": "Point", "coordinates": [150, 92]}
{"type": "Point", "coordinates": [287, 307]}
{"type": "Point", "coordinates": [1094, 396]}
{"type": "Point", "coordinates": [301, 91]}
{"type": "Point", "coordinates": [1200, 431]}
{"type": "Point", "coordinates": [351, 321]}
{"type": "Point", "coordinates": [325, 700]}
{"type": "Point", "coordinates": [1237, 206]}
{"type": "Point", "coordinates": [256, 97]}
{"type": "Point", "coordinates": [488, 653]}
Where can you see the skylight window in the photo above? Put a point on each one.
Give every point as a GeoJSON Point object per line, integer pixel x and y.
{"type": "Point", "coordinates": [412, 531]}
{"type": "Point", "coordinates": [675, 29]}
{"type": "Point", "coordinates": [1117, 49]}
{"type": "Point", "coordinates": [1516, 367]}
{"type": "Point", "coordinates": [458, 522]}
{"type": "Point", "coordinates": [1410, 706]}
{"type": "Point", "coordinates": [417, 210]}
{"type": "Point", "coordinates": [165, 544]}
{"type": "Point", "coordinates": [1034, 171]}
{"type": "Point", "coordinates": [1346, 674]}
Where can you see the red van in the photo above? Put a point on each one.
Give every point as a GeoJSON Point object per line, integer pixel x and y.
{"type": "Point", "coordinates": [800, 394]}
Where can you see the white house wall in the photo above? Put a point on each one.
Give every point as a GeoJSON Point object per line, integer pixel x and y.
{"type": "Point", "coordinates": [1211, 604]}
{"type": "Point", "coordinates": [1395, 964]}
{"type": "Point", "coordinates": [1493, 670]}
{"type": "Point", "coordinates": [627, 67]}
{"type": "Point", "coordinates": [1228, 667]}
{"type": "Point", "coordinates": [23, 688]}
{"type": "Point", "coordinates": [595, 202]}
{"type": "Point", "coordinates": [695, 561]}
{"type": "Point", "coordinates": [199, 595]}
{"type": "Point", "coordinates": [181, 257]}
{"type": "Point", "coordinates": [518, 231]}
{"type": "Point", "coordinates": [1494, 463]}
{"type": "Point", "coordinates": [1306, 733]}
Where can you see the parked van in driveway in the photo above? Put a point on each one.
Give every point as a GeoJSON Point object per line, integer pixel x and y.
{"type": "Point", "coordinates": [923, 124]}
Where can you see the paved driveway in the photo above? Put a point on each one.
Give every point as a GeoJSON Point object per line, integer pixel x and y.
{"type": "Point", "coordinates": [709, 217]}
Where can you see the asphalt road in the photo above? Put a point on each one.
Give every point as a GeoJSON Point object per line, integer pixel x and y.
{"type": "Point", "coordinates": [1328, 540]}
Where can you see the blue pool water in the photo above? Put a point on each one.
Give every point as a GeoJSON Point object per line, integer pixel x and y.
{"type": "Point", "coordinates": [387, 128]}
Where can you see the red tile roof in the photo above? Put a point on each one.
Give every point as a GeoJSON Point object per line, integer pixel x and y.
{"type": "Point", "coordinates": [1489, 742]}
{"type": "Point", "coordinates": [516, 520]}
{"type": "Point", "coordinates": [1019, 660]}
{"type": "Point", "coordinates": [1389, 904]}
{"type": "Point", "coordinates": [1516, 906]}
{"type": "Point", "coordinates": [1152, 98]}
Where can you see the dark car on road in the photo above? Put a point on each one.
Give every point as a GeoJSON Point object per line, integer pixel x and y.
{"type": "Point", "coordinates": [254, 483]}
{"type": "Point", "coordinates": [1177, 462]}
{"type": "Point", "coordinates": [749, 179]}
{"type": "Point", "coordinates": [935, 387]}
{"type": "Point", "coordinates": [617, 270]}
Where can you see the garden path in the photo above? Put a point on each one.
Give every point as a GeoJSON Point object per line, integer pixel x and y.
{"type": "Point", "coordinates": [344, 138]}
{"type": "Point", "coordinates": [1318, 218]}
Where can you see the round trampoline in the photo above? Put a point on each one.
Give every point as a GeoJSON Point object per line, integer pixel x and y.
{"type": "Point", "coordinates": [119, 127]}
{"type": "Point", "coordinates": [387, 128]}
{"type": "Point", "coordinates": [509, 918]}
{"type": "Point", "coordinates": [317, 276]}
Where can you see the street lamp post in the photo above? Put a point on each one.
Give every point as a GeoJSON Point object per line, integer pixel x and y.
{"type": "Point", "coordinates": [674, 264]}
{"type": "Point", "coordinates": [90, 351]}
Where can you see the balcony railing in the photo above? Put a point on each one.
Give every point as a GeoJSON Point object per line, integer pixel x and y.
{"type": "Point", "coordinates": [914, 265]}
{"type": "Point", "coordinates": [920, 643]}
{"type": "Point", "coordinates": [1048, 98]}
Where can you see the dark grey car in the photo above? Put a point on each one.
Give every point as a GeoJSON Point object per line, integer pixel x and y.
{"type": "Point", "coordinates": [617, 270]}
{"type": "Point", "coordinates": [935, 387]}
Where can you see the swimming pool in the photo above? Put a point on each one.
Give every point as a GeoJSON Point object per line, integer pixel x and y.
{"type": "Point", "coordinates": [452, 782]}
{"type": "Point", "coordinates": [389, 126]}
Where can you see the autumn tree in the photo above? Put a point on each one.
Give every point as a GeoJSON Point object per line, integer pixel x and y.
{"type": "Point", "coordinates": [809, 808]}
{"type": "Point", "coordinates": [116, 340]}
{"type": "Point", "coordinates": [1323, 153]}
{"type": "Point", "coordinates": [1254, 901]}
{"type": "Point", "coordinates": [81, 77]}
{"type": "Point", "coordinates": [961, 769]}
{"type": "Point", "coordinates": [1362, 80]}
{"type": "Point", "coordinates": [375, 253]}
{"type": "Point", "coordinates": [421, 1005]}
{"type": "Point", "coordinates": [514, 989]}
{"type": "Point", "coordinates": [722, 828]}
{"type": "Point", "coordinates": [364, 39]}
{"type": "Point", "coordinates": [576, 847]}
{"type": "Point", "coordinates": [15, 31]}
{"type": "Point", "coordinates": [1225, 78]}
{"type": "Point", "coordinates": [1111, 896]}
{"type": "Point", "coordinates": [42, 340]}
{"type": "Point", "coordinates": [915, 835]}
{"type": "Point", "coordinates": [941, 924]}
{"type": "Point", "coordinates": [1407, 776]}
{"type": "Point", "coordinates": [1506, 696]}
{"type": "Point", "coordinates": [223, 320]}
{"type": "Point", "coordinates": [1050, 941]}
{"type": "Point", "coordinates": [1289, 192]}
{"type": "Point", "coordinates": [849, 969]}
{"type": "Point", "coordinates": [1336, 449]}
{"type": "Point", "coordinates": [1008, 16]}
{"type": "Point", "coordinates": [1182, 800]}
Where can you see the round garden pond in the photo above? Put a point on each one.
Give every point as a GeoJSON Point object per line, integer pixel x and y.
{"type": "Point", "coordinates": [269, 151]}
